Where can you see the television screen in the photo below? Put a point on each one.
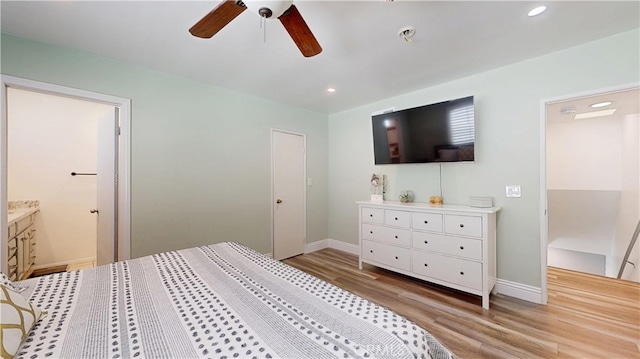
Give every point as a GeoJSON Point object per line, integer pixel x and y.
{"type": "Point", "coordinates": [439, 132]}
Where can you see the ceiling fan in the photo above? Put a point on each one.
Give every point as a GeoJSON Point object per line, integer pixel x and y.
{"type": "Point", "coordinates": [285, 11]}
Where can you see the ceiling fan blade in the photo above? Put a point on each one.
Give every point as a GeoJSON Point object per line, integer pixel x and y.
{"type": "Point", "coordinates": [300, 32]}
{"type": "Point", "coordinates": [218, 18]}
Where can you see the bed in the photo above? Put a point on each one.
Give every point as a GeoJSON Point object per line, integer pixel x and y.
{"type": "Point", "coordinates": [219, 301]}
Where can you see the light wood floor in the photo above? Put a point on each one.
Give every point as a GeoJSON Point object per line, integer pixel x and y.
{"type": "Point", "coordinates": [81, 265]}
{"type": "Point", "coordinates": [586, 316]}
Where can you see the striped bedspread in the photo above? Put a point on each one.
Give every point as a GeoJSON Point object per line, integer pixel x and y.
{"type": "Point", "coordinates": [218, 301]}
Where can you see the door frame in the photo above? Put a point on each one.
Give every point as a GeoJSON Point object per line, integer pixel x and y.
{"type": "Point", "coordinates": [124, 165]}
{"type": "Point", "coordinates": [304, 185]}
{"type": "Point", "coordinates": [544, 218]}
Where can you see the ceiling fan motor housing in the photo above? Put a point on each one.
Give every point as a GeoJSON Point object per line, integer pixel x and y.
{"type": "Point", "coordinates": [268, 9]}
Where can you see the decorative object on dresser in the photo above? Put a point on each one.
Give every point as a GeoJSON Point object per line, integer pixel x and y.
{"type": "Point", "coordinates": [377, 188]}
{"type": "Point", "coordinates": [451, 245]}
{"type": "Point", "coordinates": [481, 202]}
{"type": "Point", "coordinates": [406, 196]}
{"type": "Point", "coordinates": [435, 201]}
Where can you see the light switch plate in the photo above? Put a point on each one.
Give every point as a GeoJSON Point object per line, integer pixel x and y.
{"type": "Point", "coordinates": [514, 191]}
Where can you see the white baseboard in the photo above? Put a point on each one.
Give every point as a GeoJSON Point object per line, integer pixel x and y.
{"type": "Point", "coordinates": [332, 243]}
{"type": "Point", "coordinates": [316, 246]}
{"type": "Point", "coordinates": [344, 246]}
{"type": "Point", "coordinates": [520, 291]}
{"type": "Point", "coordinates": [75, 261]}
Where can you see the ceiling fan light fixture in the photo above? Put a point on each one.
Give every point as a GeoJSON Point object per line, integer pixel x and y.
{"type": "Point", "coordinates": [285, 11]}
{"type": "Point", "coordinates": [268, 9]}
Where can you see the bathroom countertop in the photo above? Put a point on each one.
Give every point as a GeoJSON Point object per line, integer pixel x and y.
{"type": "Point", "coordinates": [19, 213]}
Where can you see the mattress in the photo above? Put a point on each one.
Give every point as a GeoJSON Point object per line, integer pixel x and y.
{"type": "Point", "coordinates": [219, 301]}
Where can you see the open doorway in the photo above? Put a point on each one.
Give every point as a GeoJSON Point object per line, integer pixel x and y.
{"type": "Point", "coordinates": [14, 190]}
{"type": "Point", "coordinates": [593, 183]}
{"type": "Point", "coordinates": [52, 161]}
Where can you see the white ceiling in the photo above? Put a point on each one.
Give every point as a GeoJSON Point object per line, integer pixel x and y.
{"type": "Point", "coordinates": [625, 102]}
{"type": "Point", "coordinates": [363, 57]}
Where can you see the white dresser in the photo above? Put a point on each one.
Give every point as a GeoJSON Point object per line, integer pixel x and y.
{"type": "Point", "coordinates": [450, 245]}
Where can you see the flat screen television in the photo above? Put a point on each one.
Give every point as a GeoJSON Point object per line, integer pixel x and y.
{"type": "Point", "coordinates": [439, 132]}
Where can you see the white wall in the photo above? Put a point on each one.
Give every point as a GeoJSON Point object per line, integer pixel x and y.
{"type": "Point", "coordinates": [585, 154]}
{"type": "Point", "coordinates": [508, 119]}
{"type": "Point", "coordinates": [584, 174]}
{"type": "Point", "coordinates": [629, 210]}
{"type": "Point", "coordinates": [577, 261]}
{"type": "Point", "coordinates": [48, 138]}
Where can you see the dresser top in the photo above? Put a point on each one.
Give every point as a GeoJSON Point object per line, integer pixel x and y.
{"type": "Point", "coordinates": [427, 206]}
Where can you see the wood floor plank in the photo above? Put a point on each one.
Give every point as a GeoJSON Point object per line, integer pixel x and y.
{"type": "Point", "coordinates": [586, 317]}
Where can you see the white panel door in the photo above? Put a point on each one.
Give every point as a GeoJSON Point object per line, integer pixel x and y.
{"type": "Point", "coordinates": [107, 187]}
{"type": "Point", "coordinates": [289, 212]}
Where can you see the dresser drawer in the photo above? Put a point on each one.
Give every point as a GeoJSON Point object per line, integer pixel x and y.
{"type": "Point", "coordinates": [397, 218]}
{"type": "Point", "coordinates": [396, 236]}
{"type": "Point", "coordinates": [463, 225]}
{"type": "Point", "coordinates": [372, 215]}
{"type": "Point", "coordinates": [387, 254]}
{"type": "Point", "coordinates": [455, 246]}
{"type": "Point", "coordinates": [453, 270]}
{"type": "Point", "coordinates": [427, 221]}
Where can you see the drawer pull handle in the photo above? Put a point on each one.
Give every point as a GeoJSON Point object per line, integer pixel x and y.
{"type": "Point", "coordinates": [426, 265]}
{"type": "Point", "coordinates": [461, 273]}
{"type": "Point", "coordinates": [396, 218]}
{"type": "Point", "coordinates": [426, 222]}
{"type": "Point", "coordinates": [396, 237]}
{"type": "Point", "coordinates": [461, 225]}
{"type": "Point", "coordinates": [371, 251]}
{"type": "Point", "coordinates": [426, 242]}
{"type": "Point", "coordinates": [461, 247]}
{"type": "Point", "coordinates": [396, 257]}
{"type": "Point", "coordinates": [371, 215]}
{"type": "Point", "coordinates": [371, 232]}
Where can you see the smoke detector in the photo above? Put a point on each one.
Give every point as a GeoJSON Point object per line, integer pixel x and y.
{"type": "Point", "coordinates": [406, 33]}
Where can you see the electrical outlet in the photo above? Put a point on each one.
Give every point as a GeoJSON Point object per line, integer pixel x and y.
{"type": "Point", "coordinates": [513, 191]}
{"type": "Point", "coordinates": [309, 181]}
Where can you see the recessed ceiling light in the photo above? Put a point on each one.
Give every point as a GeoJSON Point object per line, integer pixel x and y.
{"type": "Point", "coordinates": [582, 116]}
{"type": "Point", "coordinates": [537, 11]}
{"type": "Point", "coordinates": [331, 89]}
{"type": "Point", "coordinates": [601, 104]}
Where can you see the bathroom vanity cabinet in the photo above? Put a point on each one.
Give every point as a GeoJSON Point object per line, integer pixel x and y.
{"type": "Point", "coordinates": [21, 243]}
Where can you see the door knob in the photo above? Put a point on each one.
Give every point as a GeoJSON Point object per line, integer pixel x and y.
{"type": "Point", "coordinates": [93, 210]}
{"type": "Point", "coordinates": [278, 201]}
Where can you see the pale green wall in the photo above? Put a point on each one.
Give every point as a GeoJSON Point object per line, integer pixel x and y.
{"type": "Point", "coordinates": [200, 155]}
{"type": "Point", "coordinates": [188, 188]}
{"type": "Point", "coordinates": [507, 144]}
